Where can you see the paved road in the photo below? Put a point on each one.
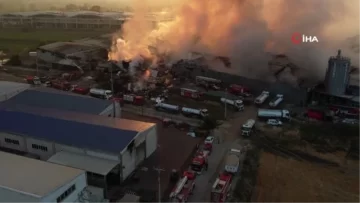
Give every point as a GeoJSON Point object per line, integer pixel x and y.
{"type": "Point", "coordinates": [229, 134]}
{"type": "Point", "coordinates": [207, 178]}
{"type": "Point", "coordinates": [145, 111]}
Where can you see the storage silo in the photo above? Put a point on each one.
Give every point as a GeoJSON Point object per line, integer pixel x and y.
{"type": "Point", "coordinates": [337, 75]}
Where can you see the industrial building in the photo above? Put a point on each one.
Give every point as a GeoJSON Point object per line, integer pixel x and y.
{"type": "Point", "coordinates": [77, 55]}
{"type": "Point", "coordinates": [61, 100]}
{"type": "Point", "coordinates": [70, 20]}
{"type": "Point", "coordinates": [24, 179]}
{"type": "Point", "coordinates": [65, 20]}
{"type": "Point", "coordinates": [108, 149]}
{"type": "Point", "coordinates": [10, 89]}
{"type": "Point", "coordinates": [339, 88]}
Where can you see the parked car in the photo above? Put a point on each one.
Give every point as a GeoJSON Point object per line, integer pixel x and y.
{"type": "Point", "coordinates": [274, 122]}
{"type": "Point", "coordinates": [209, 140]}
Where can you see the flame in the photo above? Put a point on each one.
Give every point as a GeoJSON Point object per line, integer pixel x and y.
{"type": "Point", "coordinates": [244, 30]}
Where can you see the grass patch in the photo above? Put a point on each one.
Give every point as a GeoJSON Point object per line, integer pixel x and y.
{"type": "Point", "coordinates": [244, 187]}
{"type": "Point", "coordinates": [22, 40]}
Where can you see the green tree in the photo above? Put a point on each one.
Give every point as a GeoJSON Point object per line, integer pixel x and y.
{"type": "Point", "coordinates": [95, 8]}
{"type": "Point", "coordinates": [71, 7]}
{"type": "Point", "coordinates": [14, 60]}
{"type": "Point", "coordinates": [209, 123]}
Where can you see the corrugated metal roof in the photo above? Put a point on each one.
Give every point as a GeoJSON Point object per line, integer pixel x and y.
{"type": "Point", "coordinates": [9, 89]}
{"type": "Point", "coordinates": [33, 177]}
{"type": "Point", "coordinates": [84, 162]}
{"type": "Point", "coordinates": [66, 102]}
{"type": "Point", "coordinates": [82, 131]}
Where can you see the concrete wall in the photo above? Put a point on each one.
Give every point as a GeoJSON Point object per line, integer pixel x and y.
{"type": "Point", "coordinates": [80, 184]}
{"type": "Point", "coordinates": [151, 141]}
{"type": "Point", "coordinates": [35, 146]}
{"type": "Point", "coordinates": [291, 94]}
{"type": "Point", "coordinates": [20, 147]}
{"type": "Point", "coordinates": [129, 162]}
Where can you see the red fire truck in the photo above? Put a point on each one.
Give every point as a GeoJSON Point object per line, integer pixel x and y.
{"type": "Point", "coordinates": [184, 187]}
{"type": "Point", "coordinates": [133, 99]}
{"type": "Point", "coordinates": [200, 161]}
{"type": "Point", "coordinates": [221, 188]}
{"type": "Point", "coordinates": [238, 89]}
{"type": "Point", "coordinates": [190, 93]}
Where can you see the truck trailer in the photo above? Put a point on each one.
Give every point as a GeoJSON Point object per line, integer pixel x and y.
{"type": "Point", "coordinates": [232, 161]}
{"type": "Point", "coordinates": [236, 104]}
{"type": "Point", "coordinates": [167, 107]}
{"type": "Point", "coordinates": [276, 101]}
{"type": "Point", "coordinates": [262, 97]}
{"type": "Point", "coordinates": [248, 127]}
{"type": "Point", "coordinates": [101, 93]}
{"type": "Point", "coordinates": [189, 112]}
{"type": "Point", "coordinates": [200, 113]}
{"type": "Point", "coordinates": [282, 114]}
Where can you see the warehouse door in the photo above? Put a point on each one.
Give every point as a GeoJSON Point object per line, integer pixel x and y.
{"type": "Point", "coordinates": [140, 153]}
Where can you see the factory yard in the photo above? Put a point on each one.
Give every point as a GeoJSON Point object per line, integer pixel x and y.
{"type": "Point", "coordinates": [286, 180]}
{"type": "Point", "coordinates": [174, 152]}
{"type": "Point", "coordinates": [15, 41]}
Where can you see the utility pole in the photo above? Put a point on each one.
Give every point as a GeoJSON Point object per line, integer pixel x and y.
{"type": "Point", "coordinates": [112, 89]}
{"type": "Point", "coordinates": [34, 54]}
{"type": "Point", "coordinates": [159, 170]}
{"type": "Point", "coordinates": [226, 97]}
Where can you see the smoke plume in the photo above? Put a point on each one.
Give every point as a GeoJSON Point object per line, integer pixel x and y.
{"type": "Point", "coordinates": [247, 31]}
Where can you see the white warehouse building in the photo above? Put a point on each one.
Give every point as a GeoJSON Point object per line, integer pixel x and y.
{"type": "Point", "coordinates": [108, 149]}
{"type": "Point", "coordinates": [29, 180]}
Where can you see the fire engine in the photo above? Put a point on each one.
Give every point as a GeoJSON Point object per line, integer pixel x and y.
{"type": "Point", "coordinates": [190, 93]}
{"type": "Point", "coordinates": [183, 188]}
{"type": "Point", "coordinates": [133, 99]}
{"type": "Point", "coordinates": [200, 161]}
{"type": "Point", "coordinates": [221, 188]}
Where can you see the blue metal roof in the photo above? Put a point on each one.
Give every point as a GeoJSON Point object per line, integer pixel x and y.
{"type": "Point", "coordinates": [60, 101]}
{"type": "Point", "coordinates": [68, 132]}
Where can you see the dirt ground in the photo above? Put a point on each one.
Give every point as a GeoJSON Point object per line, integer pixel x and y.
{"type": "Point", "coordinates": [286, 180]}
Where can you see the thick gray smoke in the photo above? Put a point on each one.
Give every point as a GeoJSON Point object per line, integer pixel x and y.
{"type": "Point", "coordinates": [249, 32]}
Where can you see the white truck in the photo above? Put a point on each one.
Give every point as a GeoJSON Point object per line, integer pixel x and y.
{"type": "Point", "coordinates": [281, 114]}
{"type": "Point", "coordinates": [277, 100]}
{"type": "Point", "coordinates": [262, 97]}
{"type": "Point", "coordinates": [100, 93]}
{"type": "Point", "coordinates": [167, 107]}
{"type": "Point", "coordinates": [232, 162]}
{"type": "Point", "coordinates": [236, 104]}
{"type": "Point", "coordinates": [201, 113]}
{"type": "Point", "coordinates": [248, 127]}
